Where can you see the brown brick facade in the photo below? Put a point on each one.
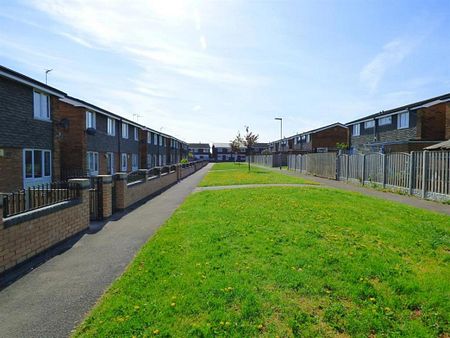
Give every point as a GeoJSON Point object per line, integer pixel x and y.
{"type": "Point", "coordinates": [11, 173]}
{"type": "Point", "coordinates": [431, 123]}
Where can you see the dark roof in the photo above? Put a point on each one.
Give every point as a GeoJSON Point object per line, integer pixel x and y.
{"type": "Point", "coordinates": [414, 105]}
{"type": "Point", "coordinates": [13, 75]}
{"type": "Point", "coordinates": [261, 145]}
{"type": "Point", "coordinates": [198, 145]}
{"type": "Point", "coordinates": [336, 124]}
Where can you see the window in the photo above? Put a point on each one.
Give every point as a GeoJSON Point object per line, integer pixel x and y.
{"type": "Point", "coordinates": [124, 162]}
{"type": "Point", "coordinates": [155, 139]}
{"type": "Point", "coordinates": [92, 163]}
{"type": "Point", "coordinates": [403, 120]}
{"type": "Point", "coordinates": [90, 120]}
{"type": "Point", "coordinates": [111, 127]}
{"type": "Point", "coordinates": [134, 162]}
{"type": "Point", "coordinates": [110, 163]}
{"type": "Point", "coordinates": [356, 130]}
{"type": "Point", "coordinates": [385, 121]}
{"type": "Point", "coordinates": [41, 106]}
{"type": "Point", "coordinates": [37, 163]}
{"type": "Point", "coordinates": [136, 134]}
{"type": "Point", "coordinates": [308, 138]}
{"type": "Point", "coordinates": [369, 124]}
{"type": "Point", "coordinates": [160, 140]}
{"type": "Point", "coordinates": [149, 137]}
{"type": "Point", "coordinates": [149, 161]}
{"type": "Point", "coordinates": [124, 130]}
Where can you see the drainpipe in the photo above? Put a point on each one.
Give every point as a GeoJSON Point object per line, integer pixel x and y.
{"type": "Point", "coordinates": [119, 134]}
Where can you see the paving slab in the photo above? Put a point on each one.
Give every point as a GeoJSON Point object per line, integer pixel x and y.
{"type": "Point", "coordinates": [52, 299]}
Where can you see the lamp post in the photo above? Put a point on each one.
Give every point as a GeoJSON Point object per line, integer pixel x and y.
{"type": "Point", "coordinates": [281, 135]}
{"type": "Point", "coordinates": [46, 74]}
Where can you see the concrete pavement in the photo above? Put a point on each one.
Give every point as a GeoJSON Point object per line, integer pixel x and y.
{"type": "Point", "coordinates": [53, 298]}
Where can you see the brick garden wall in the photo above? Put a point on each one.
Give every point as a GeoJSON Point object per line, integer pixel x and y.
{"type": "Point", "coordinates": [26, 235]}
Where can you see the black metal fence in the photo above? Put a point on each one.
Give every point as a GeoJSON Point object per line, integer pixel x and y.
{"type": "Point", "coordinates": [135, 176]}
{"type": "Point", "coordinates": [40, 196]}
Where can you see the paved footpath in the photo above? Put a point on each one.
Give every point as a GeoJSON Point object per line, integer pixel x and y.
{"type": "Point", "coordinates": [410, 200]}
{"type": "Point", "coordinates": [52, 299]}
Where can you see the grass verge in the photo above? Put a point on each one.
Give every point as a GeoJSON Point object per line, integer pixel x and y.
{"type": "Point", "coordinates": [287, 262]}
{"type": "Point", "coordinates": [237, 174]}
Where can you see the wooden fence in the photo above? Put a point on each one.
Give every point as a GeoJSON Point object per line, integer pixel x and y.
{"type": "Point", "coordinates": [423, 173]}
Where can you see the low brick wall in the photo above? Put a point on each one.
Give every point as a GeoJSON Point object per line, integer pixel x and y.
{"type": "Point", "coordinates": [26, 235]}
{"type": "Point", "coordinates": [127, 194]}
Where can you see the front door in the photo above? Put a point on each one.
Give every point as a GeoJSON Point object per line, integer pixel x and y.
{"type": "Point", "coordinates": [37, 167]}
{"type": "Point", "coordinates": [110, 163]}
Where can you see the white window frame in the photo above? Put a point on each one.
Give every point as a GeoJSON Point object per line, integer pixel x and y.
{"type": "Point", "coordinates": [92, 163]}
{"type": "Point", "coordinates": [149, 137]}
{"type": "Point", "coordinates": [125, 129]}
{"type": "Point", "coordinates": [160, 140]}
{"type": "Point", "coordinates": [41, 106]}
{"type": "Point", "coordinates": [369, 124]}
{"type": "Point", "coordinates": [111, 127]}
{"type": "Point", "coordinates": [124, 162]}
{"type": "Point", "coordinates": [91, 120]}
{"type": "Point", "coordinates": [384, 121]}
{"type": "Point", "coordinates": [43, 165]}
{"type": "Point", "coordinates": [134, 162]}
{"type": "Point", "coordinates": [403, 123]}
{"type": "Point", "coordinates": [308, 138]}
{"type": "Point", "coordinates": [356, 130]}
{"type": "Point", "coordinates": [155, 139]}
{"type": "Point", "coordinates": [136, 134]}
{"type": "Point", "coordinates": [110, 166]}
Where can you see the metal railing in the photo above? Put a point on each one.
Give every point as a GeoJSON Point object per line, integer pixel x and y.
{"type": "Point", "coordinates": [40, 196]}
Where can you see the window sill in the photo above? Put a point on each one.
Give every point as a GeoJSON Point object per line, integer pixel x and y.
{"type": "Point", "coordinates": [42, 119]}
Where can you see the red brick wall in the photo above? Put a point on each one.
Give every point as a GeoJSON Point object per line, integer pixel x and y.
{"type": "Point", "coordinates": [11, 172]}
{"type": "Point", "coordinates": [431, 123]}
{"type": "Point", "coordinates": [328, 138]}
{"type": "Point", "coordinates": [72, 141]}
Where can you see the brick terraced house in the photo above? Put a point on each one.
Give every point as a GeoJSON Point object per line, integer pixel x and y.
{"type": "Point", "coordinates": [403, 129]}
{"type": "Point", "coordinates": [324, 139]}
{"type": "Point", "coordinates": [46, 135]}
{"type": "Point", "coordinates": [29, 154]}
{"type": "Point", "coordinates": [95, 141]}
{"type": "Point", "coordinates": [221, 152]}
{"type": "Point", "coordinates": [200, 151]}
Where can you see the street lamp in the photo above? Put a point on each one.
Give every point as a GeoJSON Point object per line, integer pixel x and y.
{"type": "Point", "coordinates": [281, 135]}
{"type": "Point", "coordinates": [46, 74]}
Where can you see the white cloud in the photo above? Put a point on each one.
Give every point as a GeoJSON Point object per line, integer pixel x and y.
{"type": "Point", "coordinates": [203, 42]}
{"type": "Point", "coordinates": [393, 53]}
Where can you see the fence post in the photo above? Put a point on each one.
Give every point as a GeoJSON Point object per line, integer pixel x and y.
{"type": "Point", "coordinates": [363, 168]}
{"type": "Point", "coordinates": [411, 171]}
{"type": "Point", "coordinates": [338, 167]}
{"type": "Point", "coordinates": [144, 173]}
{"type": "Point", "coordinates": [424, 173]}
{"type": "Point", "coordinates": [384, 169]}
{"type": "Point", "coordinates": [348, 167]}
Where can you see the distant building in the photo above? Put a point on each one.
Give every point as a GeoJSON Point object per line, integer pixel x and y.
{"type": "Point", "coordinates": [221, 152]}
{"type": "Point", "coordinates": [320, 140]}
{"type": "Point", "coordinates": [200, 151]}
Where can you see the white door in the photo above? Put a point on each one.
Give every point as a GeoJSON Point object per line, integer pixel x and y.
{"type": "Point", "coordinates": [110, 163]}
{"type": "Point", "coordinates": [37, 167]}
{"type": "Point", "coordinates": [124, 163]}
{"type": "Point", "coordinates": [92, 163]}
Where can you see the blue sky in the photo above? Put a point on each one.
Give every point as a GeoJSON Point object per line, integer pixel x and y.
{"type": "Point", "coordinates": [201, 70]}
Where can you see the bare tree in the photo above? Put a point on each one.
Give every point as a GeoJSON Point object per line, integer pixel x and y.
{"type": "Point", "coordinates": [249, 141]}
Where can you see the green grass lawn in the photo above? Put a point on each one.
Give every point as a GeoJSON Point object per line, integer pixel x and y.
{"type": "Point", "coordinates": [284, 262]}
{"type": "Point", "coordinates": [237, 174]}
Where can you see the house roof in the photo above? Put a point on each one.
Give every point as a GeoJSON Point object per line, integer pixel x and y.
{"type": "Point", "coordinates": [198, 145]}
{"type": "Point", "coordinates": [15, 76]}
{"type": "Point", "coordinates": [313, 131]}
{"type": "Point", "coordinates": [443, 145]}
{"type": "Point", "coordinates": [416, 105]}
{"type": "Point", "coordinates": [221, 145]}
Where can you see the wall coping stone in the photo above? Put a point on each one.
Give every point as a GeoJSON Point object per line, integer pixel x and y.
{"type": "Point", "coordinates": [105, 178]}
{"type": "Point", "coordinates": [37, 213]}
{"type": "Point", "coordinates": [121, 176]}
{"type": "Point", "coordinates": [83, 183]}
